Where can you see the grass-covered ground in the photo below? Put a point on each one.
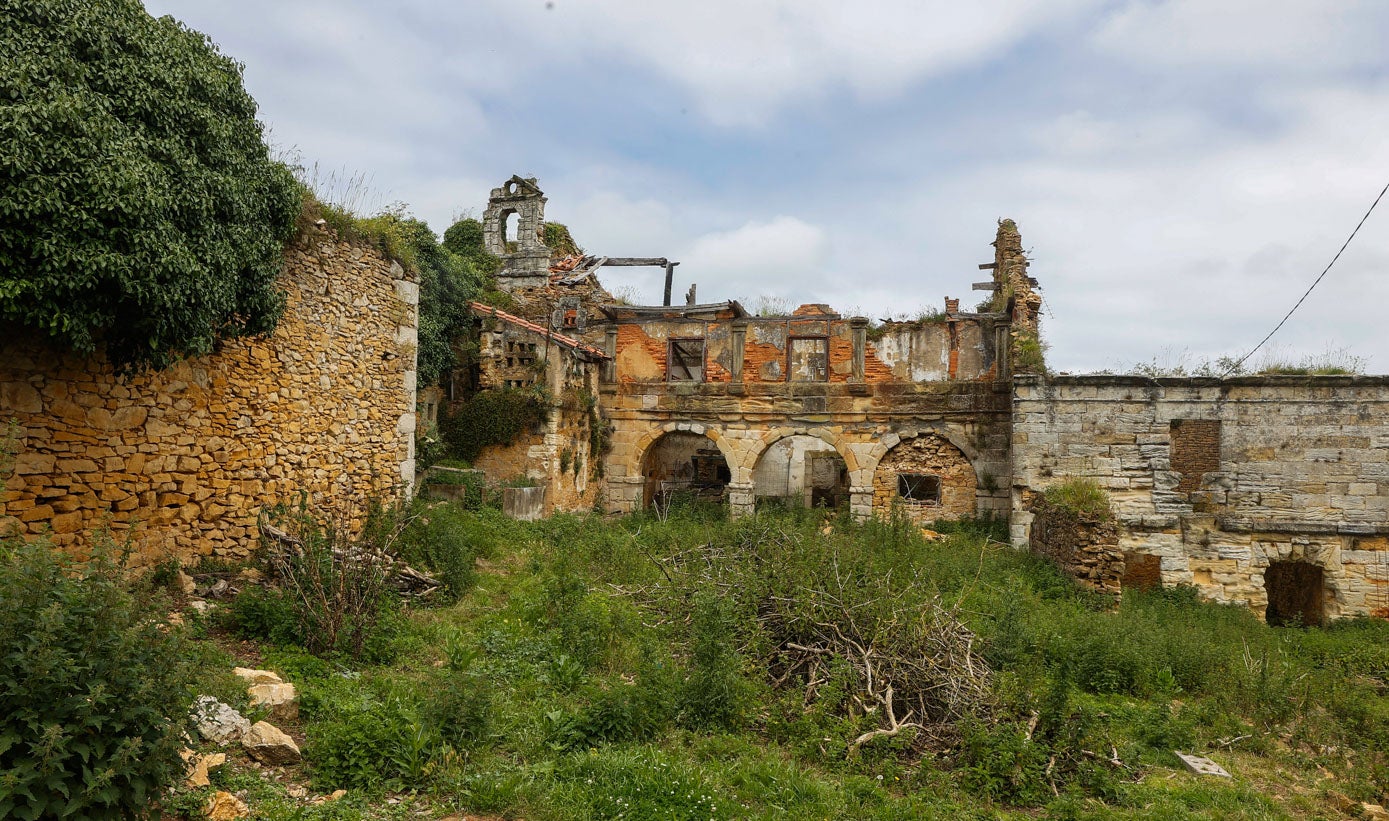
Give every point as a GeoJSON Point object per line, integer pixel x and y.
{"type": "Point", "coordinates": [707, 669]}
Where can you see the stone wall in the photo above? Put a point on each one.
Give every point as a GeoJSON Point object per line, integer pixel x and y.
{"type": "Point", "coordinates": [180, 462]}
{"type": "Point", "coordinates": [517, 353]}
{"type": "Point", "coordinates": [1221, 478]}
{"type": "Point", "coordinates": [1085, 547]}
{"type": "Point", "coordinates": [929, 455]}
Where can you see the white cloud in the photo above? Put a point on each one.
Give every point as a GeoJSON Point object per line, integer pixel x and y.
{"type": "Point", "coordinates": [1285, 36]}
{"type": "Point", "coordinates": [784, 257]}
{"type": "Point", "coordinates": [745, 62]}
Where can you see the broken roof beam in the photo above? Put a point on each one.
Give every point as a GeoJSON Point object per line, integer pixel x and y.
{"type": "Point", "coordinates": [660, 262]}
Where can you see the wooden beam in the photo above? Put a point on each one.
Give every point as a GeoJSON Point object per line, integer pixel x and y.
{"type": "Point", "coordinates": [658, 262]}
{"type": "Point", "coordinates": [987, 266]}
{"type": "Point", "coordinates": [985, 286]}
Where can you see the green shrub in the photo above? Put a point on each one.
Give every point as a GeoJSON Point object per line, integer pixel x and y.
{"type": "Point", "coordinates": [337, 583]}
{"type": "Point", "coordinates": [619, 713]}
{"type": "Point", "coordinates": [265, 613]}
{"type": "Point", "coordinates": [488, 418]}
{"type": "Point", "coordinates": [1083, 497]}
{"type": "Point", "coordinates": [373, 744]}
{"type": "Point", "coordinates": [438, 539]}
{"type": "Point", "coordinates": [715, 695]}
{"type": "Point", "coordinates": [93, 689]}
{"type": "Point", "coordinates": [139, 207]}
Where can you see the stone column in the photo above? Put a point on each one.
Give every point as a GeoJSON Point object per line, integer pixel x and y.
{"type": "Point", "coordinates": [859, 328]}
{"type": "Point", "coordinates": [625, 493]}
{"type": "Point", "coordinates": [407, 295]}
{"type": "Point", "coordinates": [610, 346]}
{"type": "Point", "coordinates": [861, 502]}
{"type": "Point", "coordinates": [741, 501]}
{"type": "Point", "coordinates": [737, 353]}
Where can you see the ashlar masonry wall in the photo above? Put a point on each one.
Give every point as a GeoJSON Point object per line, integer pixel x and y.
{"type": "Point", "coordinates": [1221, 479]}
{"type": "Point", "coordinates": [180, 462]}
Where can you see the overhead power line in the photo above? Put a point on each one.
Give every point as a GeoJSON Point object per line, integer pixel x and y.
{"type": "Point", "coordinates": [1314, 284]}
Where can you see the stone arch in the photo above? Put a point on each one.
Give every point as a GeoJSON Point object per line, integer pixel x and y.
{"type": "Point", "coordinates": [801, 468]}
{"type": "Point", "coordinates": [652, 439]}
{"type": "Point", "coordinates": [947, 471]}
{"type": "Point", "coordinates": [771, 437]}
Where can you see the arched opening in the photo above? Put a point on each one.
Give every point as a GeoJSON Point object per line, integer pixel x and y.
{"type": "Point", "coordinates": [511, 224]}
{"type": "Point", "coordinates": [1295, 593]}
{"type": "Point", "coordinates": [801, 471]}
{"type": "Point", "coordinates": [684, 464]}
{"type": "Point", "coordinates": [928, 477]}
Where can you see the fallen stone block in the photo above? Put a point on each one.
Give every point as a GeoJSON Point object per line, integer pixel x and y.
{"type": "Point", "coordinates": [218, 722]}
{"type": "Point", "coordinates": [1200, 765]}
{"type": "Point", "coordinates": [269, 745]}
{"type": "Point", "coordinates": [200, 765]}
{"type": "Point", "coordinates": [257, 676]}
{"type": "Point", "coordinates": [280, 699]}
{"type": "Point", "coordinates": [225, 807]}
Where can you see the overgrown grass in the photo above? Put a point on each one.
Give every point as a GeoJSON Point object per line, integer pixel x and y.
{"type": "Point", "coordinates": [639, 668]}
{"type": "Point", "coordinates": [1083, 497]}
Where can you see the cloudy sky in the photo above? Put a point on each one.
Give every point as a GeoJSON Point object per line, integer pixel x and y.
{"type": "Point", "coordinates": [1180, 170]}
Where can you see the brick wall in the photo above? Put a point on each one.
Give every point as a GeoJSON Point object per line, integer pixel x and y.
{"type": "Point", "coordinates": [180, 462]}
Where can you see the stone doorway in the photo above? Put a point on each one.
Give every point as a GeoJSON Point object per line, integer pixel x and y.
{"type": "Point", "coordinates": [1296, 593]}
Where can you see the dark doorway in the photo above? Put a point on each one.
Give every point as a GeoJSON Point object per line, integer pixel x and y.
{"type": "Point", "coordinates": [1295, 591]}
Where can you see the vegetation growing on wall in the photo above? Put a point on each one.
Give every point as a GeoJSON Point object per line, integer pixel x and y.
{"type": "Point", "coordinates": [1083, 497]}
{"type": "Point", "coordinates": [139, 206]}
{"type": "Point", "coordinates": [1029, 352]}
{"type": "Point", "coordinates": [560, 242]}
{"type": "Point", "coordinates": [489, 418]}
{"type": "Point", "coordinates": [464, 238]}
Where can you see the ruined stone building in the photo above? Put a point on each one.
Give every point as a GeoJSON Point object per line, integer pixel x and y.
{"type": "Point", "coordinates": [1272, 492]}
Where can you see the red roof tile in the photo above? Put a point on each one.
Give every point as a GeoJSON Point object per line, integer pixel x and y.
{"type": "Point", "coordinates": [566, 341]}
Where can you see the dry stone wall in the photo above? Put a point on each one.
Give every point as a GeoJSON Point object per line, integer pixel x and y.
{"type": "Point", "coordinates": [180, 462]}
{"type": "Point", "coordinates": [1085, 547]}
{"type": "Point", "coordinates": [1219, 479]}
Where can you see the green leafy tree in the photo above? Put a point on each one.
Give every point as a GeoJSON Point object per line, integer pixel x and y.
{"type": "Point", "coordinates": [464, 238]}
{"type": "Point", "coordinates": [139, 206]}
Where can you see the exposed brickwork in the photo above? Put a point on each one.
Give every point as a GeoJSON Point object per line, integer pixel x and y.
{"type": "Point", "coordinates": [182, 461]}
{"type": "Point", "coordinates": [1195, 451]}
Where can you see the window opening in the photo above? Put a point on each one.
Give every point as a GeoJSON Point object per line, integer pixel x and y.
{"type": "Point", "coordinates": [919, 487]}
{"type": "Point", "coordinates": [685, 362]}
{"type": "Point", "coordinates": [511, 228]}
{"type": "Point", "coordinates": [809, 359]}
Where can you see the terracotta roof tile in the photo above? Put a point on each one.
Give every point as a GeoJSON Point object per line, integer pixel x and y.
{"type": "Point", "coordinates": [561, 339]}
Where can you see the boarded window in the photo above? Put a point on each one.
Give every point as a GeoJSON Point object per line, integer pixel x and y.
{"type": "Point", "coordinates": [1195, 451]}
{"type": "Point", "coordinates": [919, 487]}
{"type": "Point", "coordinates": [686, 360]}
{"type": "Point", "coordinates": [810, 359]}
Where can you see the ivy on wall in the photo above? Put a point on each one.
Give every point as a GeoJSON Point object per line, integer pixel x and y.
{"type": "Point", "coordinates": [490, 418]}
{"type": "Point", "coordinates": [139, 206]}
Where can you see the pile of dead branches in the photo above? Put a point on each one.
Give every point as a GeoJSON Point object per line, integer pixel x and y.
{"type": "Point", "coordinates": [914, 667]}
{"type": "Point", "coordinates": [338, 571]}
{"type": "Point", "coordinates": [282, 549]}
